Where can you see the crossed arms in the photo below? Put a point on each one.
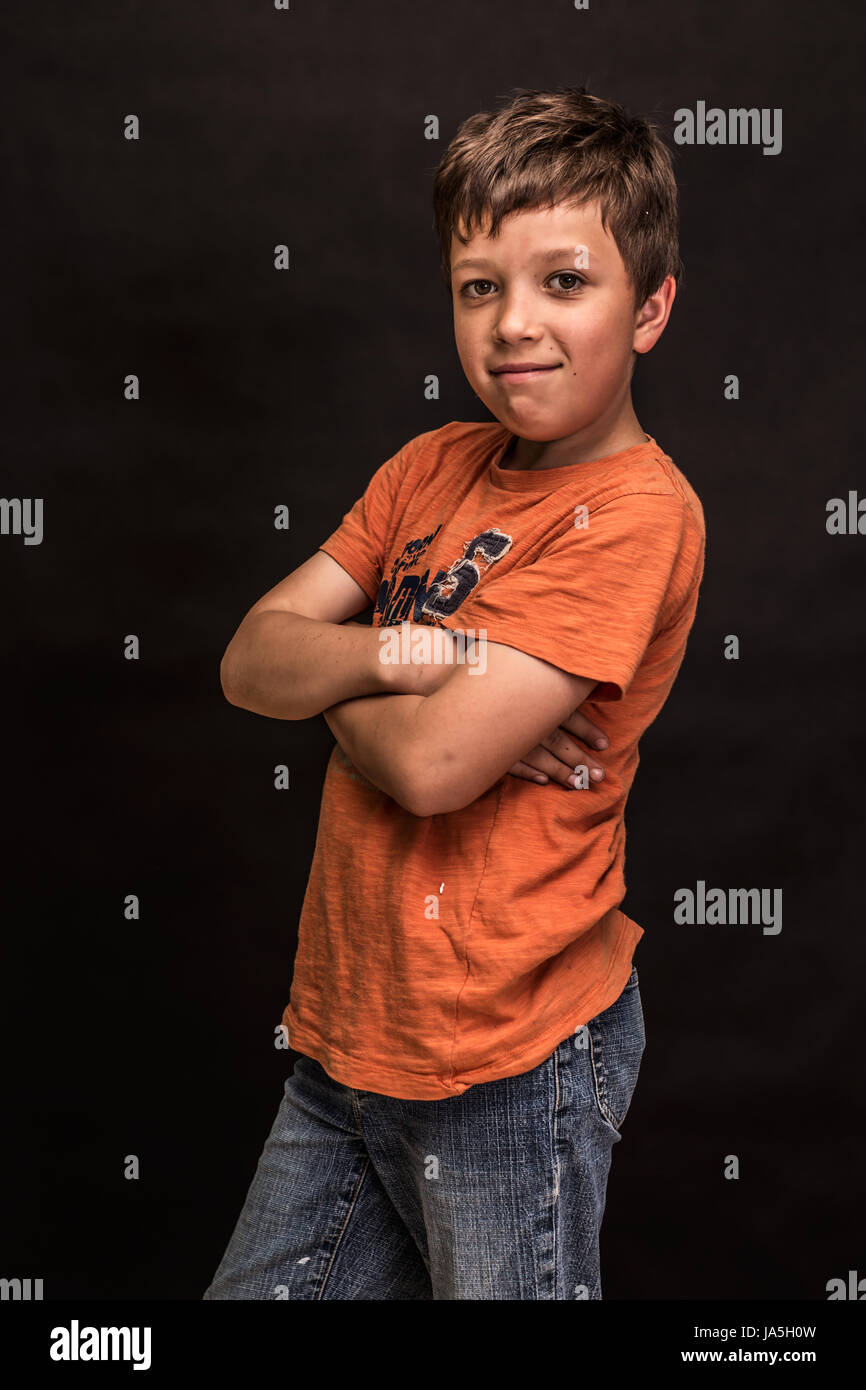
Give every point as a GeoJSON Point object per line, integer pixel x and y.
{"type": "Point", "coordinates": [432, 736]}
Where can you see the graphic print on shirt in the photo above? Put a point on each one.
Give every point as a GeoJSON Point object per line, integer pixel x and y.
{"type": "Point", "coordinates": [415, 600]}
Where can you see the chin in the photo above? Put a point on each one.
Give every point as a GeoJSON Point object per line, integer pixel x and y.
{"type": "Point", "coordinates": [538, 431]}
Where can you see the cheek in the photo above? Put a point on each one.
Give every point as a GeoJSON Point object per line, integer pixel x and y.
{"type": "Point", "coordinates": [466, 343]}
{"type": "Point", "coordinates": [597, 345]}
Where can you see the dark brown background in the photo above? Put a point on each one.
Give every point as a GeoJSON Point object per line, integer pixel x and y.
{"type": "Point", "coordinates": [259, 388]}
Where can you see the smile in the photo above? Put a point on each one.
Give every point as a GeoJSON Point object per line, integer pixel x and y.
{"type": "Point", "coordinates": [524, 373]}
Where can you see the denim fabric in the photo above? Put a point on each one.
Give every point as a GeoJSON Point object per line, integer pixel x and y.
{"type": "Point", "coordinates": [497, 1193]}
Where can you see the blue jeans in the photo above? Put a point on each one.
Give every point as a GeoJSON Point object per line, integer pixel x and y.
{"type": "Point", "coordinates": [497, 1193]}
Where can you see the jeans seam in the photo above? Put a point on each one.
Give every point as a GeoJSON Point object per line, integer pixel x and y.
{"type": "Point", "coordinates": [342, 1231]}
{"type": "Point", "coordinates": [600, 1078]}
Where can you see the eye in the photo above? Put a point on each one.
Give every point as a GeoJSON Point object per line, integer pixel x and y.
{"type": "Point", "coordinates": [574, 285]}
{"type": "Point", "coordinates": [578, 280]}
{"type": "Point", "coordinates": [468, 286]}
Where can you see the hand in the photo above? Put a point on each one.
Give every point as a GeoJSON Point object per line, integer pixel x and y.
{"type": "Point", "coordinates": [555, 758]}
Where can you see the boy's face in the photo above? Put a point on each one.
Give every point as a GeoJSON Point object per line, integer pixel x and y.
{"type": "Point", "coordinates": [551, 288]}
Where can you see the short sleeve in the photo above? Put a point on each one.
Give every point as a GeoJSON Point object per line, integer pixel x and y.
{"type": "Point", "coordinates": [592, 602]}
{"type": "Point", "coordinates": [359, 542]}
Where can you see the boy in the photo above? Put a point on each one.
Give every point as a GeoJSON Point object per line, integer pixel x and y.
{"type": "Point", "coordinates": [464, 998]}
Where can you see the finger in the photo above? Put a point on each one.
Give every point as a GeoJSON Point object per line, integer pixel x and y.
{"type": "Point", "coordinates": [556, 770]}
{"type": "Point", "coordinates": [569, 753]}
{"type": "Point", "coordinates": [580, 727]}
{"type": "Point", "coordinates": [529, 774]}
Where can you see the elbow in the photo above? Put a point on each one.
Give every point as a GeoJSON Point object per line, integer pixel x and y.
{"type": "Point", "coordinates": [228, 677]}
{"type": "Point", "coordinates": [246, 686]}
{"type": "Point", "coordinates": [418, 803]}
{"type": "Point", "coordinates": [235, 682]}
{"type": "Point", "coordinates": [415, 790]}
{"type": "Point", "coordinates": [429, 789]}
{"type": "Point", "coordinates": [437, 789]}
{"type": "Point", "coordinates": [407, 790]}
{"type": "Point", "coordinates": [423, 803]}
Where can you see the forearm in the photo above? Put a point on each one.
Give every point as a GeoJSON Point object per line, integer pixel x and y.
{"type": "Point", "coordinates": [378, 734]}
{"type": "Point", "coordinates": [286, 666]}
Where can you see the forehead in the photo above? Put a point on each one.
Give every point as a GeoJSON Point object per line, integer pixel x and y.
{"type": "Point", "coordinates": [535, 232]}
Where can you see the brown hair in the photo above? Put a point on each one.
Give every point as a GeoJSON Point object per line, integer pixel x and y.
{"type": "Point", "coordinates": [549, 147]}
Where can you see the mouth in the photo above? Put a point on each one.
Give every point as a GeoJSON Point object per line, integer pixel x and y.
{"type": "Point", "coordinates": [520, 371]}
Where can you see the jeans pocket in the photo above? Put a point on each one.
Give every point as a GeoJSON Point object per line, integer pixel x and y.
{"type": "Point", "coordinates": [617, 1038]}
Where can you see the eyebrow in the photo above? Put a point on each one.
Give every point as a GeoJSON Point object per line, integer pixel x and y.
{"type": "Point", "coordinates": [540, 256]}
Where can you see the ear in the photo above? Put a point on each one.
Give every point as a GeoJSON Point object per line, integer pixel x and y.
{"type": "Point", "coordinates": [652, 317]}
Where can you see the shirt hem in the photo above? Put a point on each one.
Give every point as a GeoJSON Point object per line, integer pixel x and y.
{"type": "Point", "coordinates": [405, 1085]}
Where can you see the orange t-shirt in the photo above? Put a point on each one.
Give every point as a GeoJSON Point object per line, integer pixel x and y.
{"type": "Point", "coordinates": [440, 951]}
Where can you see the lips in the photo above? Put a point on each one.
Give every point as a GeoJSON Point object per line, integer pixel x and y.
{"type": "Point", "coordinates": [523, 373]}
{"type": "Point", "coordinates": [519, 368]}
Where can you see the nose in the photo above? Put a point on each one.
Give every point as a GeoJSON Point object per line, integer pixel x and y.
{"type": "Point", "coordinates": [517, 316]}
